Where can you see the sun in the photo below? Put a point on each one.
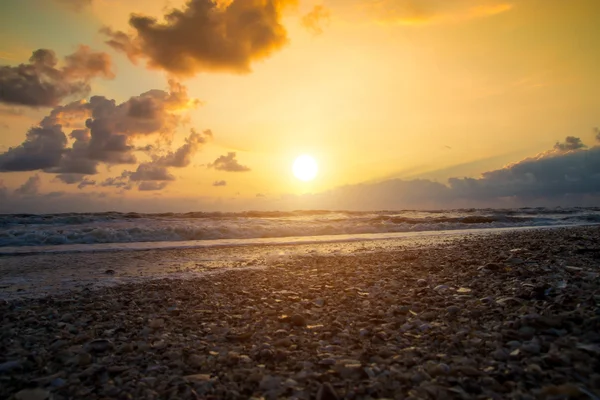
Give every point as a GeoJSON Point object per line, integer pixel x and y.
{"type": "Point", "coordinates": [305, 168]}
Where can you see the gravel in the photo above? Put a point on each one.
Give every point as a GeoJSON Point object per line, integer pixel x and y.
{"type": "Point", "coordinates": [511, 316]}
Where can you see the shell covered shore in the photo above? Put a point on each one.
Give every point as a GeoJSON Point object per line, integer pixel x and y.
{"type": "Point", "coordinates": [510, 316]}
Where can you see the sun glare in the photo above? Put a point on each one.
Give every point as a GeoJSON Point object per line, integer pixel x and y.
{"type": "Point", "coordinates": [305, 168]}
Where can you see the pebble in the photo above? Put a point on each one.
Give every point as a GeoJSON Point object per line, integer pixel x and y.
{"type": "Point", "coordinates": [327, 392]}
{"type": "Point", "coordinates": [84, 359]}
{"type": "Point", "coordinates": [453, 310]}
{"type": "Point", "coordinates": [33, 394]}
{"type": "Point", "coordinates": [10, 366]}
{"type": "Point", "coordinates": [270, 382]}
{"type": "Point", "coordinates": [67, 317]}
{"type": "Point", "coordinates": [531, 347]}
{"type": "Point", "coordinates": [500, 354]}
{"type": "Point", "coordinates": [99, 345]}
{"type": "Point", "coordinates": [58, 383]}
{"type": "Point", "coordinates": [156, 323]}
{"type": "Point", "coordinates": [198, 378]}
{"type": "Point", "coordinates": [298, 320]}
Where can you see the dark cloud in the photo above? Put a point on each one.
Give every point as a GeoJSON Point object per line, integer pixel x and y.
{"type": "Point", "coordinates": [158, 168]}
{"type": "Point", "coordinates": [228, 163]}
{"type": "Point", "coordinates": [597, 131]}
{"type": "Point", "coordinates": [40, 83]}
{"type": "Point", "coordinates": [107, 136]}
{"type": "Point", "coordinates": [314, 20]}
{"type": "Point", "coordinates": [70, 179]}
{"type": "Point", "coordinates": [85, 183]}
{"type": "Point", "coordinates": [151, 186]}
{"type": "Point", "coordinates": [548, 176]}
{"type": "Point", "coordinates": [182, 157]}
{"type": "Point", "coordinates": [43, 148]}
{"type": "Point", "coordinates": [205, 35]}
{"type": "Point", "coordinates": [31, 187]}
{"type": "Point", "coordinates": [570, 143]}
{"type": "Point", "coordinates": [151, 172]}
{"type": "Point", "coordinates": [219, 183]}
{"type": "Point", "coordinates": [121, 182]}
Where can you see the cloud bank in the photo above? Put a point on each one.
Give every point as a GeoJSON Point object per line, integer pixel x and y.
{"type": "Point", "coordinates": [103, 131]}
{"type": "Point", "coordinates": [205, 35]}
{"type": "Point", "coordinates": [556, 177]}
{"type": "Point", "coordinates": [41, 83]}
{"type": "Point", "coordinates": [106, 138]}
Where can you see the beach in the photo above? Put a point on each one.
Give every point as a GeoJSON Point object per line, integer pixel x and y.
{"type": "Point", "coordinates": [512, 314]}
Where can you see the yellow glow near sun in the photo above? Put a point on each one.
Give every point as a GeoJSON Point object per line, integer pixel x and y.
{"type": "Point", "coordinates": [305, 168]}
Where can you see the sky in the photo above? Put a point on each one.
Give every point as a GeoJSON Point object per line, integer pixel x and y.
{"type": "Point", "coordinates": [204, 105]}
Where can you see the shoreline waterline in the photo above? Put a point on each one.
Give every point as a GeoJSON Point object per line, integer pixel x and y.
{"type": "Point", "coordinates": [270, 241]}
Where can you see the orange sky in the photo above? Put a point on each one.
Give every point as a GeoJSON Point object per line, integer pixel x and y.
{"type": "Point", "coordinates": [373, 89]}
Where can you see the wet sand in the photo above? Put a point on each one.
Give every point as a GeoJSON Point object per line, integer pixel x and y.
{"type": "Point", "coordinates": [513, 315]}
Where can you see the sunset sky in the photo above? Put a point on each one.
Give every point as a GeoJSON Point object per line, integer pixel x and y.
{"type": "Point", "coordinates": [192, 105]}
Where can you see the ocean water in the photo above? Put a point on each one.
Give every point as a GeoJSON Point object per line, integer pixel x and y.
{"type": "Point", "coordinates": [35, 233]}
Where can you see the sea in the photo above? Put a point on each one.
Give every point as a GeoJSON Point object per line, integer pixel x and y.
{"type": "Point", "coordinates": [114, 231]}
{"type": "Point", "coordinates": [55, 254]}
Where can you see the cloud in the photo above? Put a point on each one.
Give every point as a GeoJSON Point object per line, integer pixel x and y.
{"type": "Point", "coordinates": [182, 157]}
{"type": "Point", "coordinates": [121, 182]}
{"type": "Point", "coordinates": [555, 178]}
{"type": "Point", "coordinates": [427, 12]}
{"type": "Point", "coordinates": [151, 172]}
{"type": "Point", "coordinates": [70, 179]}
{"type": "Point", "coordinates": [43, 148]}
{"type": "Point", "coordinates": [205, 35]}
{"type": "Point", "coordinates": [551, 178]}
{"type": "Point", "coordinates": [151, 186]}
{"type": "Point", "coordinates": [548, 176]}
{"type": "Point", "coordinates": [158, 168]}
{"type": "Point", "coordinates": [571, 143]}
{"type": "Point", "coordinates": [108, 135]}
{"type": "Point", "coordinates": [315, 18]}
{"type": "Point", "coordinates": [228, 163]}
{"type": "Point", "coordinates": [85, 183]}
{"type": "Point", "coordinates": [31, 187]}
{"type": "Point", "coordinates": [40, 83]}
{"type": "Point", "coordinates": [219, 183]}
{"type": "Point", "coordinates": [597, 131]}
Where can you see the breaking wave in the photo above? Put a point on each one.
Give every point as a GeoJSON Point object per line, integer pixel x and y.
{"type": "Point", "coordinates": [113, 227]}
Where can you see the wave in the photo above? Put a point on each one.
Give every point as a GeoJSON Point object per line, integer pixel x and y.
{"type": "Point", "coordinates": [111, 227]}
